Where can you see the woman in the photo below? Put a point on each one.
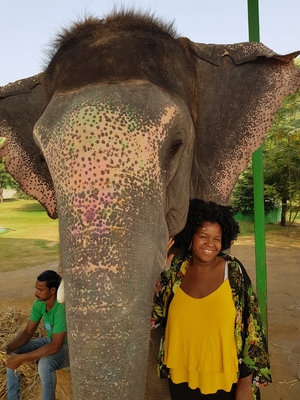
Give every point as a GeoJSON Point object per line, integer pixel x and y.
{"type": "Point", "coordinates": [212, 345]}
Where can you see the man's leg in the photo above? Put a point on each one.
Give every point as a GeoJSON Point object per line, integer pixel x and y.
{"type": "Point", "coordinates": [13, 377]}
{"type": "Point", "coordinates": [47, 368]}
{"type": "Point", "coordinates": [13, 384]}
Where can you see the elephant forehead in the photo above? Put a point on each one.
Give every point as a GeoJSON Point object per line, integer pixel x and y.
{"type": "Point", "coordinates": [109, 136]}
{"type": "Point", "coordinates": [102, 130]}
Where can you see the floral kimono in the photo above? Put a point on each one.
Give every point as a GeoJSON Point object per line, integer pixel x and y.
{"type": "Point", "coordinates": [251, 342]}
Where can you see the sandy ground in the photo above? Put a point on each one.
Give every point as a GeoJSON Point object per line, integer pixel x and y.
{"type": "Point", "coordinates": [283, 309]}
{"type": "Point", "coordinates": [283, 315]}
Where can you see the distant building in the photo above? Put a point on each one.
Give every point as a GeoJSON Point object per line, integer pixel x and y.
{"type": "Point", "coordinates": [8, 193]}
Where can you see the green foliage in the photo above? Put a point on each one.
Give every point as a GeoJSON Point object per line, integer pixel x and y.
{"type": "Point", "coordinates": [281, 164]}
{"type": "Point", "coordinates": [282, 156]}
{"type": "Point", "coordinates": [242, 195]}
{"type": "Point", "coordinates": [6, 180]}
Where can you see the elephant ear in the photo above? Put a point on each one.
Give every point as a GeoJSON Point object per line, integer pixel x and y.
{"type": "Point", "coordinates": [238, 88]}
{"type": "Point", "coordinates": [21, 105]}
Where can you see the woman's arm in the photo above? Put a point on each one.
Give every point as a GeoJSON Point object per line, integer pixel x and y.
{"type": "Point", "coordinates": [244, 388]}
{"type": "Point", "coordinates": [162, 291]}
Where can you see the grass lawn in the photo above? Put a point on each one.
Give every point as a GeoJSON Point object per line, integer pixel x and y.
{"type": "Point", "coordinates": [274, 232]}
{"type": "Point", "coordinates": [32, 239]}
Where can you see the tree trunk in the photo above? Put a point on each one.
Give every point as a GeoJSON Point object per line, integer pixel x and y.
{"type": "Point", "coordinates": [283, 212]}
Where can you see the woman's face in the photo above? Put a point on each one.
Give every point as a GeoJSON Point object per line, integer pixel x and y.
{"type": "Point", "coordinates": [207, 242]}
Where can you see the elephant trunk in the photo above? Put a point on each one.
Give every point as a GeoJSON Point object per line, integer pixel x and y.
{"type": "Point", "coordinates": [110, 277]}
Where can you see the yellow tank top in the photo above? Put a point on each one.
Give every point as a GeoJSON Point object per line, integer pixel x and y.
{"type": "Point", "coordinates": [200, 346]}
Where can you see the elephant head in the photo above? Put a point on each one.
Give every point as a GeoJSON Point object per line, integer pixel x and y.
{"type": "Point", "coordinates": [124, 126]}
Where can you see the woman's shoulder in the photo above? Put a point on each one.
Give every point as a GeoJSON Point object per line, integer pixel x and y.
{"type": "Point", "coordinates": [235, 267]}
{"type": "Point", "coordinates": [231, 260]}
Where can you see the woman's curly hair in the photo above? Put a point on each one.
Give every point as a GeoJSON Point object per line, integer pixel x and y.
{"type": "Point", "coordinates": [200, 212]}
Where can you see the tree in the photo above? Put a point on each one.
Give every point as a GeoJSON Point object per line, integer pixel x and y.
{"type": "Point", "coordinates": [282, 170]}
{"type": "Point", "coordinates": [281, 165]}
{"type": "Point", "coordinates": [282, 157]}
{"type": "Point", "coordinates": [6, 181]}
{"type": "Point", "coordinates": [242, 195]}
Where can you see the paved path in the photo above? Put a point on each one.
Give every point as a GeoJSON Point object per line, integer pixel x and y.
{"type": "Point", "coordinates": [19, 284]}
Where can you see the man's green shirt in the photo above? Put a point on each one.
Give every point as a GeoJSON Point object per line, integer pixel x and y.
{"type": "Point", "coordinates": [54, 320]}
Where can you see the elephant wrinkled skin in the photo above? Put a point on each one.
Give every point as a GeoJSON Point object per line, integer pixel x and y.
{"type": "Point", "coordinates": [124, 126]}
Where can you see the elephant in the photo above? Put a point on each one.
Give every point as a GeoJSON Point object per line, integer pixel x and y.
{"type": "Point", "coordinates": [126, 123]}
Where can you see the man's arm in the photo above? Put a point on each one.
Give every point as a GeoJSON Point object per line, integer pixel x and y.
{"type": "Point", "coordinates": [50, 348]}
{"type": "Point", "coordinates": [22, 337]}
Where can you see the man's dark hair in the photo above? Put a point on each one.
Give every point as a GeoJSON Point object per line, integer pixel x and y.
{"type": "Point", "coordinates": [200, 212]}
{"type": "Point", "coordinates": [51, 278]}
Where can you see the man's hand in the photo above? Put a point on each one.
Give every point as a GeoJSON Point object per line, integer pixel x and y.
{"type": "Point", "coordinates": [244, 389]}
{"type": "Point", "coordinates": [14, 361]}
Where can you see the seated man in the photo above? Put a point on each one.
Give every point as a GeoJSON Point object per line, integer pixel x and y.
{"type": "Point", "coordinates": [52, 352]}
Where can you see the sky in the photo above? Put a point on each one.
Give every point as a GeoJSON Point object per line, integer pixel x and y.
{"type": "Point", "coordinates": [27, 27]}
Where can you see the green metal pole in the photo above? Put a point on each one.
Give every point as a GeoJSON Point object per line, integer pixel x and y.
{"type": "Point", "coordinates": [258, 192]}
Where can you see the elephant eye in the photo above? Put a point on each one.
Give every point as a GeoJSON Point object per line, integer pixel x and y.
{"type": "Point", "coordinates": [175, 147]}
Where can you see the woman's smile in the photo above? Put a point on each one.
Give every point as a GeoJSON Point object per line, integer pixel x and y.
{"type": "Point", "coordinates": [207, 241]}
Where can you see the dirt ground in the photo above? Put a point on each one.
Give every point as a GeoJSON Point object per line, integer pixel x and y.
{"type": "Point", "coordinates": [283, 308]}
